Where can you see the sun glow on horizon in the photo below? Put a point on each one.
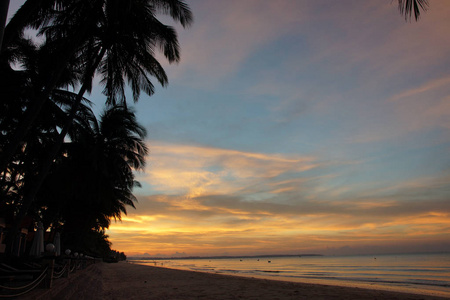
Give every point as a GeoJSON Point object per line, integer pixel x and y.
{"type": "Point", "coordinates": [301, 127]}
{"type": "Point", "coordinates": [269, 220]}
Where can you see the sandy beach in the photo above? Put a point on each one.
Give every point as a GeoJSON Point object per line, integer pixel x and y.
{"type": "Point", "coordinates": [131, 281]}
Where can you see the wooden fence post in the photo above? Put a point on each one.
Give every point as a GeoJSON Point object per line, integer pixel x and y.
{"type": "Point", "coordinates": [49, 262]}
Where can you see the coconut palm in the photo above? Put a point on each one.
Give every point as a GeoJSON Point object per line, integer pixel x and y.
{"type": "Point", "coordinates": [96, 27]}
{"type": "Point", "coordinates": [18, 89]}
{"type": "Point", "coordinates": [93, 181]}
{"type": "Point", "coordinates": [119, 39]}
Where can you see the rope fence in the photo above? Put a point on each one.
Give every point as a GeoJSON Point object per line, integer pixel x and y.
{"type": "Point", "coordinates": [73, 268]}
{"type": "Point", "coordinates": [21, 290]}
{"type": "Point", "coordinates": [59, 274]}
{"type": "Point", "coordinates": [48, 274]}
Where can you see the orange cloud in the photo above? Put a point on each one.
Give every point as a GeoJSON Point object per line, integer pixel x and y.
{"type": "Point", "coordinates": [207, 200]}
{"type": "Point", "coordinates": [195, 171]}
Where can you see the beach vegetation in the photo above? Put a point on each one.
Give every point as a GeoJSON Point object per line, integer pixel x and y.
{"type": "Point", "coordinates": [60, 163]}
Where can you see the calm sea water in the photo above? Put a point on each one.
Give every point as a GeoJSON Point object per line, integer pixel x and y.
{"type": "Point", "coordinates": [418, 273]}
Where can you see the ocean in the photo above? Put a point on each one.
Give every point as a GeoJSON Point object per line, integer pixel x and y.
{"type": "Point", "coordinates": [414, 273]}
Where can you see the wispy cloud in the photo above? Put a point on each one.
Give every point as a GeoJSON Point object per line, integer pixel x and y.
{"type": "Point", "coordinates": [216, 52]}
{"type": "Point", "coordinates": [196, 170]}
{"type": "Point", "coordinates": [255, 201]}
{"type": "Point", "coordinates": [299, 125]}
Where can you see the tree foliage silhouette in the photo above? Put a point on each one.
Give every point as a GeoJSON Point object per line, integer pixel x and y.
{"type": "Point", "coordinates": [115, 39]}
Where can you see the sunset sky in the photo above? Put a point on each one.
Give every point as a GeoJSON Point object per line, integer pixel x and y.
{"type": "Point", "coordinates": [294, 127]}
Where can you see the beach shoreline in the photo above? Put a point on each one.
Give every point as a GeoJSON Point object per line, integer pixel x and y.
{"type": "Point", "coordinates": [133, 281]}
{"type": "Point", "coordinates": [410, 273]}
{"type": "Point", "coordinates": [362, 285]}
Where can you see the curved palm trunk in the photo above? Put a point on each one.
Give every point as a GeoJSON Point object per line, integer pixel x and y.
{"type": "Point", "coordinates": [34, 109]}
{"type": "Point", "coordinates": [20, 20]}
{"type": "Point", "coordinates": [4, 5]}
{"type": "Point", "coordinates": [28, 119]}
{"type": "Point", "coordinates": [31, 115]}
{"type": "Point", "coordinates": [47, 164]}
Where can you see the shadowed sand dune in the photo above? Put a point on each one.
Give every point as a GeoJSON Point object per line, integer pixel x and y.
{"type": "Point", "coordinates": [130, 281]}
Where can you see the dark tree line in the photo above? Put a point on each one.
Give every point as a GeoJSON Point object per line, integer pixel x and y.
{"type": "Point", "coordinates": [60, 163]}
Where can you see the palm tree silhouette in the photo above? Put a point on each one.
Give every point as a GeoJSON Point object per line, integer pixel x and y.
{"type": "Point", "coordinates": [93, 181]}
{"type": "Point", "coordinates": [116, 38]}
{"type": "Point", "coordinates": [18, 89]}
{"type": "Point", "coordinates": [93, 29]}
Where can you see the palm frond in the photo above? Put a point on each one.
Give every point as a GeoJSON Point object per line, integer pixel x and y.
{"type": "Point", "coordinates": [410, 7]}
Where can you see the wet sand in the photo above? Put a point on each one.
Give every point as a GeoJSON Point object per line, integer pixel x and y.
{"type": "Point", "coordinates": [130, 281]}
